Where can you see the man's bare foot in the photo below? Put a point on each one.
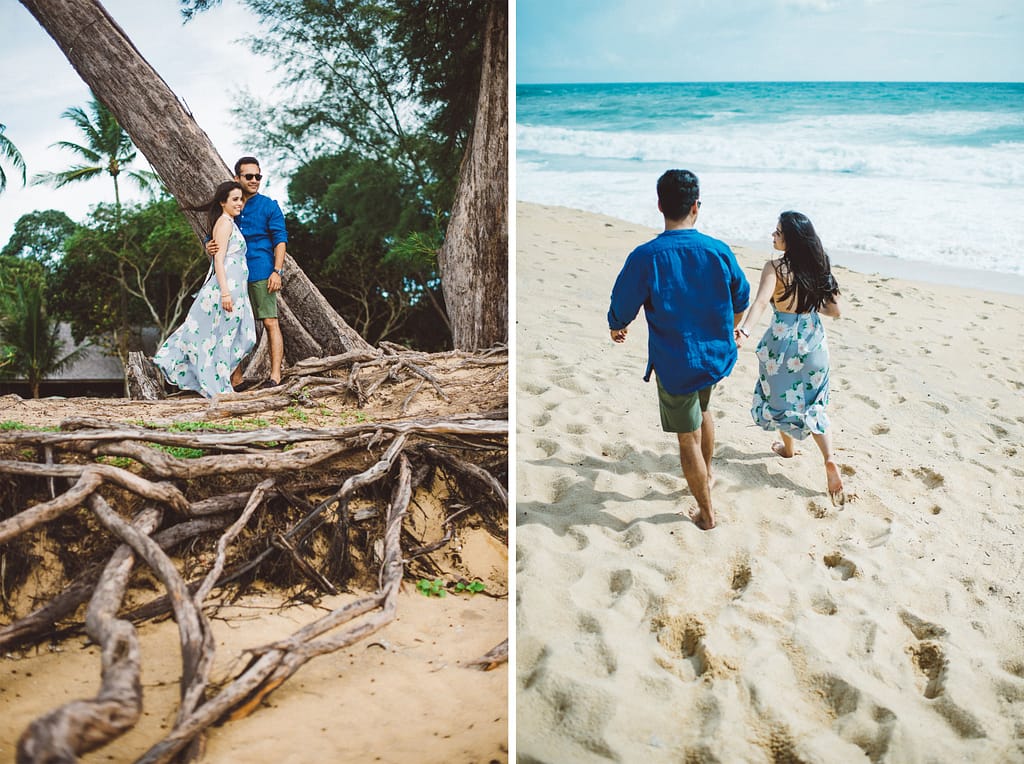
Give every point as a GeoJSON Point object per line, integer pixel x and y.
{"type": "Point", "coordinates": [704, 521]}
{"type": "Point", "coordinates": [780, 448]}
{"type": "Point", "coordinates": [835, 484]}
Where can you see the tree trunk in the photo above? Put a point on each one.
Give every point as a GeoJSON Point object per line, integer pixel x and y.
{"type": "Point", "coordinates": [176, 147]}
{"type": "Point", "coordinates": [474, 257]}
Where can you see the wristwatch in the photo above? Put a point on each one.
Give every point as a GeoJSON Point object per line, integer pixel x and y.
{"type": "Point", "coordinates": [278, 271]}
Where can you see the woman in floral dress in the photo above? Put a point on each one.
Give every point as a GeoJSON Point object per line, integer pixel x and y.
{"type": "Point", "coordinates": [205, 353]}
{"type": "Point", "coordinates": [791, 393]}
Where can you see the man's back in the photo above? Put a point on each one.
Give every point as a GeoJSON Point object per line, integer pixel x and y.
{"type": "Point", "coordinates": [691, 287]}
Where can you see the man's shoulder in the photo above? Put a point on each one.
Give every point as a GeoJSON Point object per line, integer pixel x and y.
{"type": "Point", "coordinates": [262, 201]}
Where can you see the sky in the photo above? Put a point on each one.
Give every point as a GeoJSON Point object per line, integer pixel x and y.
{"type": "Point", "coordinates": [204, 62]}
{"type": "Point", "coordinates": [569, 41]}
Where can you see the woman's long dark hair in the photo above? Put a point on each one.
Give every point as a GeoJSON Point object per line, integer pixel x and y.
{"type": "Point", "coordinates": [807, 271]}
{"type": "Point", "coordinates": [213, 207]}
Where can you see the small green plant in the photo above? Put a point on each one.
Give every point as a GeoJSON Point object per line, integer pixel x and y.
{"type": "Point", "coordinates": [10, 426]}
{"type": "Point", "coordinates": [117, 461]}
{"type": "Point", "coordinates": [181, 452]}
{"type": "Point", "coordinates": [298, 413]}
{"type": "Point", "coordinates": [429, 588]}
{"type": "Point", "coordinates": [472, 587]}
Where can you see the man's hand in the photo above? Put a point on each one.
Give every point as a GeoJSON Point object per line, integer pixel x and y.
{"type": "Point", "coordinates": [211, 247]}
{"type": "Point", "coordinates": [274, 282]}
{"type": "Point", "coordinates": [619, 335]}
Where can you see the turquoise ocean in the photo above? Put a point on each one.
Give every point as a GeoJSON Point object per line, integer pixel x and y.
{"type": "Point", "coordinates": [920, 177]}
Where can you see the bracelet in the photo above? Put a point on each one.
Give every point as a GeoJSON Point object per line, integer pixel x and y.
{"type": "Point", "coordinates": [742, 331]}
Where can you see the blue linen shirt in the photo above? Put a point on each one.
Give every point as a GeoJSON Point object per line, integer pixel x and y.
{"type": "Point", "coordinates": [691, 287]}
{"type": "Point", "coordinates": [262, 224]}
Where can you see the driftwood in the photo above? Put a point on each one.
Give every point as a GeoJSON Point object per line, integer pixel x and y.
{"type": "Point", "coordinates": [261, 503]}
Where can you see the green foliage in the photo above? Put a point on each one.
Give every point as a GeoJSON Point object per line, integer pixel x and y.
{"type": "Point", "coordinates": [151, 254]}
{"type": "Point", "coordinates": [123, 462]}
{"type": "Point", "coordinates": [34, 336]}
{"type": "Point", "coordinates": [181, 452]}
{"type": "Point", "coordinates": [351, 213]}
{"type": "Point", "coordinates": [39, 237]}
{"type": "Point", "coordinates": [10, 153]}
{"type": "Point", "coordinates": [106, 149]}
{"type": "Point", "coordinates": [429, 588]}
{"type": "Point", "coordinates": [470, 587]}
{"type": "Point", "coordinates": [437, 588]}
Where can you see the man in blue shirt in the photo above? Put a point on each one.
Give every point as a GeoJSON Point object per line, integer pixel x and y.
{"type": "Point", "coordinates": [694, 294]}
{"type": "Point", "coordinates": [262, 224]}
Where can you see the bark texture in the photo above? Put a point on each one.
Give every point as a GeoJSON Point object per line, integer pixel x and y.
{"type": "Point", "coordinates": [474, 257]}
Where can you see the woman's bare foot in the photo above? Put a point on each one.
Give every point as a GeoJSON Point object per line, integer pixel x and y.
{"type": "Point", "coordinates": [704, 521]}
{"type": "Point", "coordinates": [835, 484]}
{"type": "Point", "coordinates": [783, 450]}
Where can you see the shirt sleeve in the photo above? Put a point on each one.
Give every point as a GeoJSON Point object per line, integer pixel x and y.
{"type": "Point", "coordinates": [631, 290]}
{"type": "Point", "coordinates": [275, 224]}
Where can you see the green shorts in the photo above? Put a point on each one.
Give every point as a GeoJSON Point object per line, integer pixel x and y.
{"type": "Point", "coordinates": [682, 413]}
{"type": "Point", "coordinates": [264, 303]}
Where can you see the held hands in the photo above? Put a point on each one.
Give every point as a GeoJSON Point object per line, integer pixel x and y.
{"type": "Point", "coordinates": [619, 335]}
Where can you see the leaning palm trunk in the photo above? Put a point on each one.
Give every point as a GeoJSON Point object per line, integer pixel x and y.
{"type": "Point", "coordinates": [176, 147]}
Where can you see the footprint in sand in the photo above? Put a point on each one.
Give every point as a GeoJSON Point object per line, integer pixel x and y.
{"type": "Point", "coordinates": [581, 539]}
{"type": "Point", "coordinates": [841, 567]}
{"type": "Point", "coordinates": [929, 477]}
{"type": "Point", "coordinates": [816, 510]}
{"type": "Point", "coordinates": [740, 576]}
{"type": "Point", "coordinates": [921, 628]}
{"type": "Point", "coordinates": [930, 661]}
{"type": "Point", "coordinates": [939, 406]}
{"type": "Point", "coordinates": [823, 604]}
{"type": "Point", "coordinates": [577, 428]}
{"type": "Point", "coordinates": [874, 726]}
{"type": "Point", "coordinates": [634, 537]}
{"type": "Point", "coordinates": [683, 637]}
{"type": "Point", "coordinates": [880, 429]}
{"type": "Point", "coordinates": [593, 648]}
{"type": "Point", "coordinates": [870, 401]}
{"type": "Point", "coordinates": [1000, 431]}
{"type": "Point", "coordinates": [620, 582]}
{"type": "Point", "coordinates": [547, 447]}
{"type": "Point", "coordinates": [531, 388]}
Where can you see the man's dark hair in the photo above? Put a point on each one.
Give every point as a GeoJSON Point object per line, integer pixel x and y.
{"type": "Point", "coordinates": [245, 160]}
{"type": "Point", "coordinates": [677, 191]}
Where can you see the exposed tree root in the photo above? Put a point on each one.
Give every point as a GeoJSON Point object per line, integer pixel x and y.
{"type": "Point", "coordinates": [309, 508]}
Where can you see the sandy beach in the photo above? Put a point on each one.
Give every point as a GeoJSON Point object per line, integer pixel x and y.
{"type": "Point", "coordinates": [889, 630]}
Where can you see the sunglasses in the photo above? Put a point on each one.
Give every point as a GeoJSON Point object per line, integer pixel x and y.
{"type": "Point", "coordinates": [251, 175]}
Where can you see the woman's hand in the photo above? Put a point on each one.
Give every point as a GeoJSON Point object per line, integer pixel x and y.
{"type": "Point", "coordinates": [226, 304]}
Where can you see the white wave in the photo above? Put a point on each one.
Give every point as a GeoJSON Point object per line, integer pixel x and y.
{"type": "Point", "coordinates": [947, 222]}
{"type": "Point", "coordinates": [793, 147]}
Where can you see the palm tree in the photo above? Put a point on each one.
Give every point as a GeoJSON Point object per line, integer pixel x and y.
{"type": "Point", "coordinates": [9, 152]}
{"type": "Point", "coordinates": [29, 338]}
{"type": "Point", "coordinates": [106, 149]}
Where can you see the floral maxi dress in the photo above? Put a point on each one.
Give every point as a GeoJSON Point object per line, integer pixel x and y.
{"type": "Point", "coordinates": [206, 348]}
{"type": "Point", "coordinates": [791, 392]}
